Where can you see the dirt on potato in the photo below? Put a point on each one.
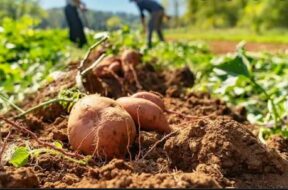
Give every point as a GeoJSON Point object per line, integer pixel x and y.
{"type": "Point", "coordinates": [218, 148]}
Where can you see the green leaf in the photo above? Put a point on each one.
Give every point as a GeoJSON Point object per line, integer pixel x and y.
{"type": "Point", "coordinates": [58, 144]}
{"type": "Point", "coordinates": [20, 157]}
{"type": "Point", "coordinates": [234, 67]}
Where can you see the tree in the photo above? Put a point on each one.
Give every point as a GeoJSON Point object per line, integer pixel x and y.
{"type": "Point", "coordinates": [18, 8]}
{"type": "Point", "coordinates": [211, 13]}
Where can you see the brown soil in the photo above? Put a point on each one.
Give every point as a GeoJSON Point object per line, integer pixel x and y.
{"type": "Point", "coordinates": [218, 150]}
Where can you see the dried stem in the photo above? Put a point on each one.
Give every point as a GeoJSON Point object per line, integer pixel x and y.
{"type": "Point", "coordinates": [158, 142]}
{"type": "Point", "coordinates": [80, 74]}
{"type": "Point", "coordinates": [84, 60]}
{"type": "Point", "coordinates": [42, 105]}
{"type": "Point", "coordinates": [83, 73]}
{"type": "Point", "coordinates": [44, 144]}
{"type": "Point", "coordinates": [3, 97]}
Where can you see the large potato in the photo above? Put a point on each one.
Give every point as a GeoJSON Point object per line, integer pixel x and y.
{"type": "Point", "coordinates": [151, 117]}
{"type": "Point", "coordinates": [151, 97]}
{"type": "Point", "coordinates": [100, 126]}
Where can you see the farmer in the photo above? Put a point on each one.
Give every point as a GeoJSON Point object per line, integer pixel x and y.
{"type": "Point", "coordinates": [155, 23]}
{"type": "Point", "coordinates": [76, 29]}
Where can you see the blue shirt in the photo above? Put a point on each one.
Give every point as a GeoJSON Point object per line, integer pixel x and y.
{"type": "Point", "coordinates": [148, 5]}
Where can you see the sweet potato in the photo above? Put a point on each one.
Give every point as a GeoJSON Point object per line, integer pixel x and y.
{"type": "Point", "coordinates": [131, 57]}
{"type": "Point", "coordinates": [151, 97]}
{"type": "Point", "coordinates": [150, 116]}
{"type": "Point", "coordinates": [100, 126]}
{"type": "Point", "coordinates": [110, 63]}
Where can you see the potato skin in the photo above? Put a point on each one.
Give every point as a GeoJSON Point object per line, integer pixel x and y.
{"type": "Point", "coordinates": [130, 56]}
{"type": "Point", "coordinates": [100, 126]}
{"type": "Point", "coordinates": [151, 117]}
{"type": "Point", "coordinates": [109, 63]}
{"type": "Point", "coordinates": [151, 97]}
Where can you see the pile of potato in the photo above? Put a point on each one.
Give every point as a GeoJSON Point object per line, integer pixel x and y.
{"type": "Point", "coordinates": [106, 128]}
{"type": "Point", "coordinates": [113, 64]}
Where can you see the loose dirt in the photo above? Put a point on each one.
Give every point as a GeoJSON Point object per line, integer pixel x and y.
{"type": "Point", "coordinates": [217, 149]}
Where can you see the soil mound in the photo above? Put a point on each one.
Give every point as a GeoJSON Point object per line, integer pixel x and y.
{"type": "Point", "coordinates": [225, 143]}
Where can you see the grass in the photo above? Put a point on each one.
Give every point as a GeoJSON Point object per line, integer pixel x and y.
{"type": "Point", "coordinates": [279, 36]}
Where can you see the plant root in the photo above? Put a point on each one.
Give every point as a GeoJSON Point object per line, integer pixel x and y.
{"type": "Point", "coordinates": [139, 137]}
{"type": "Point", "coordinates": [44, 144]}
{"type": "Point", "coordinates": [158, 142]}
{"type": "Point", "coordinates": [138, 85]}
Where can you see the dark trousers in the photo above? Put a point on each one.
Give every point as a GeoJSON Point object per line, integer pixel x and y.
{"type": "Point", "coordinates": [76, 29]}
{"type": "Point", "coordinates": [155, 24]}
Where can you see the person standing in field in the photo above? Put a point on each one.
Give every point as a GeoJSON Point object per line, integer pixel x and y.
{"type": "Point", "coordinates": [156, 19]}
{"type": "Point", "coordinates": [76, 29]}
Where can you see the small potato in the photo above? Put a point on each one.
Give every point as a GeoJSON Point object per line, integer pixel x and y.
{"type": "Point", "coordinates": [109, 63]}
{"type": "Point", "coordinates": [151, 117]}
{"type": "Point", "coordinates": [131, 57]}
{"type": "Point", "coordinates": [151, 97]}
{"type": "Point", "coordinates": [100, 126]}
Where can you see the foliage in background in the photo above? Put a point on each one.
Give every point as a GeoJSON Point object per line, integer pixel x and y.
{"type": "Point", "coordinates": [257, 15]}
{"type": "Point", "coordinates": [18, 8]}
{"type": "Point", "coordinates": [96, 20]}
{"type": "Point", "coordinates": [27, 56]}
{"type": "Point", "coordinates": [257, 82]}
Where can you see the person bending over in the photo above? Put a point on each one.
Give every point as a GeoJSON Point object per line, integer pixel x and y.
{"type": "Point", "coordinates": [157, 14]}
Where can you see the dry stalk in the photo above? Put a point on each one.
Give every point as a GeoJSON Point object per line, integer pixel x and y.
{"type": "Point", "coordinates": [158, 142]}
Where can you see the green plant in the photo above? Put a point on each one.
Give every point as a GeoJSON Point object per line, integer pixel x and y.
{"type": "Point", "coordinates": [27, 57]}
{"type": "Point", "coordinates": [20, 155]}
{"type": "Point", "coordinates": [255, 81]}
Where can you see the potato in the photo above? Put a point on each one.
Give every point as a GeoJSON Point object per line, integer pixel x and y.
{"type": "Point", "coordinates": [151, 117]}
{"type": "Point", "coordinates": [151, 97]}
{"type": "Point", "coordinates": [100, 126]}
{"type": "Point", "coordinates": [109, 63]}
{"type": "Point", "coordinates": [131, 57]}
